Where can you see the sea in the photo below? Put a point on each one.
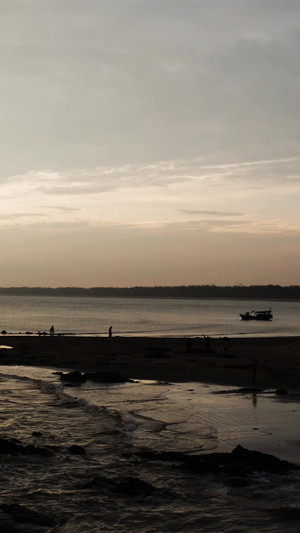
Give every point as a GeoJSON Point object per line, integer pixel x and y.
{"type": "Point", "coordinates": [80, 462]}
{"type": "Point", "coordinates": [145, 317]}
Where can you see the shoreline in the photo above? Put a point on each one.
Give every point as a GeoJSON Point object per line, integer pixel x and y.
{"type": "Point", "coordinates": [165, 358]}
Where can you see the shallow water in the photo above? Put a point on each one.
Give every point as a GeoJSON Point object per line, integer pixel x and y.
{"type": "Point", "coordinates": [114, 423]}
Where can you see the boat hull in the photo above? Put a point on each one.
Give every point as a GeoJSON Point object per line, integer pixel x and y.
{"type": "Point", "coordinates": [256, 317]}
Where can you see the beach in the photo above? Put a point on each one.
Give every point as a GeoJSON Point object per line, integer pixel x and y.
{"type": "Point", "coordinates": [165, 359]}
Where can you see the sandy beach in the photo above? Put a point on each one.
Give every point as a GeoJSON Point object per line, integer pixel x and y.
{"type": "Point", "coordinates": [165, 359]}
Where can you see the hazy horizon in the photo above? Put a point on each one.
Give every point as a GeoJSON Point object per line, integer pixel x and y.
{"type": "Point", "coordinates": [149, 143]}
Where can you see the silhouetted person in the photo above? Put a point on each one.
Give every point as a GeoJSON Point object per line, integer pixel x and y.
{"type": "Point", "coordinates": [207, 343]}
{"type": "Point", "coordinates": [110, 331]}
{"type": "Point", "coordinates": [254, 368]}
{"type": "Point", "coordinates": [52, 331]}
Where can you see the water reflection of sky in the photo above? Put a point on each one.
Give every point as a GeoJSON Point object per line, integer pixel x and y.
{"type": "Point", "coordinates": [193, 416]}
{"type": "Point", "coordinates": [190, 417]}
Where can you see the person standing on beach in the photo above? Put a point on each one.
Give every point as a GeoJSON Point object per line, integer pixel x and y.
{"type": "Point", "coordinates": [110, 331]}
{"type": "Point", "coordinates": [52, 331]}
{"type": "Point", "coordinates": [207, 343]}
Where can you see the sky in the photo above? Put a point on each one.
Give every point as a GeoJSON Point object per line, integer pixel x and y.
{"type": "Point", "coordinates": [149, 142]}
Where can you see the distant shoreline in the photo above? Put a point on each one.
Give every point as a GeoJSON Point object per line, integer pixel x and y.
{"type": "Point", "coordinates": [204, 292]}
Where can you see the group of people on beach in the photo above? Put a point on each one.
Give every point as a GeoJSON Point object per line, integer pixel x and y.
{"type": "Point", "coordinates": [52, 331]}
{"type": "Point", "coordinates": [223, 350]}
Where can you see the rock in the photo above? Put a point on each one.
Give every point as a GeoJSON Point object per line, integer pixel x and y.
{"type": "Point", "coordinates": [76, 450]}
{"type": "Point", "coordinates": [9, 447]}
{"type": "Point", "coordinates": [22, 515]}
{"type": "Point", "coordinates": [237, 463]}
{"type": "Point", "coordinates": [37, 434]}
{"type": "Point", "coordinates": [254, 461]}
{"type": "Point", "coordinates": [278, 392]}
{"type": "Point", "coordinates": [201, 464]}
{"type": "Point", "coordinates": [134, 486]}
{"type": "Point", "coordinates": [107, 377]}
{"type": "Point", "coordinates": [74, 377]}
{"type": "Point", "coordinates": [3, 332]}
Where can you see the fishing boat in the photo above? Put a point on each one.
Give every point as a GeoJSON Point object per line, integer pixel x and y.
{"type": "Point", "coordinates": [257, 315]}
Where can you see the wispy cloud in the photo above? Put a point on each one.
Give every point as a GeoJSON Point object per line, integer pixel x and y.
{"type": "Point", "coordinates": [212, 213]}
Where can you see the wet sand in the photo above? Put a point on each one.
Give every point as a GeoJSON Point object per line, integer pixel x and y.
{"type": "Point", "coordinates": [165, 359]}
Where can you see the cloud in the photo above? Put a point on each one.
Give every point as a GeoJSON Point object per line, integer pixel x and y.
{"type": "Point", "coordinates": [60, 209]}
{"type": "Point", "coordinates": [213, 213]}
{"type": "Point", "coordinates": [159, 191]}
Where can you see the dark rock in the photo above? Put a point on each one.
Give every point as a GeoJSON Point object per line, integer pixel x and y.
{"type": "Point", "coordinates": [75, 377]}
{"type": "Point", "coordinates": [76, 450]}
{"type": "Point", "coordinates": [9, 447]}
{"type": "Point", "coordinates": [238, 463]}
{"type": "Point", "coordinates": [278, 392]}
{"type": "Point", "coordinates": [253, 461]}
{"type": "Point", "coordinates": [107, 377]}
{"type": "Point", "coordinates": [22, 515]}
{"type": "Point", "coordinates": [37, 434]}
{"type": "Point", "coordinates": [3, 332]}
{"type": "Point", "coordinates": [134, 486]}
{"type": "Point", "coordinates": [201, 464]}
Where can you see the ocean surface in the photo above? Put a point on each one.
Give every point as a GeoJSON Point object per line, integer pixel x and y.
{"type": "Point", "coordinates": [105, 483]}
{"type": "Point", "coordinates": [147, 317]}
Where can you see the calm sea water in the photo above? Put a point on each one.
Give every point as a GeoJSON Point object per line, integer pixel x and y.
{"type": "Point", "coordinates": [131, 316]}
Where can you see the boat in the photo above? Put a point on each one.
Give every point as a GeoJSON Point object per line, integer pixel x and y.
{"type": "Point", "coordinates": [257, 315]}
